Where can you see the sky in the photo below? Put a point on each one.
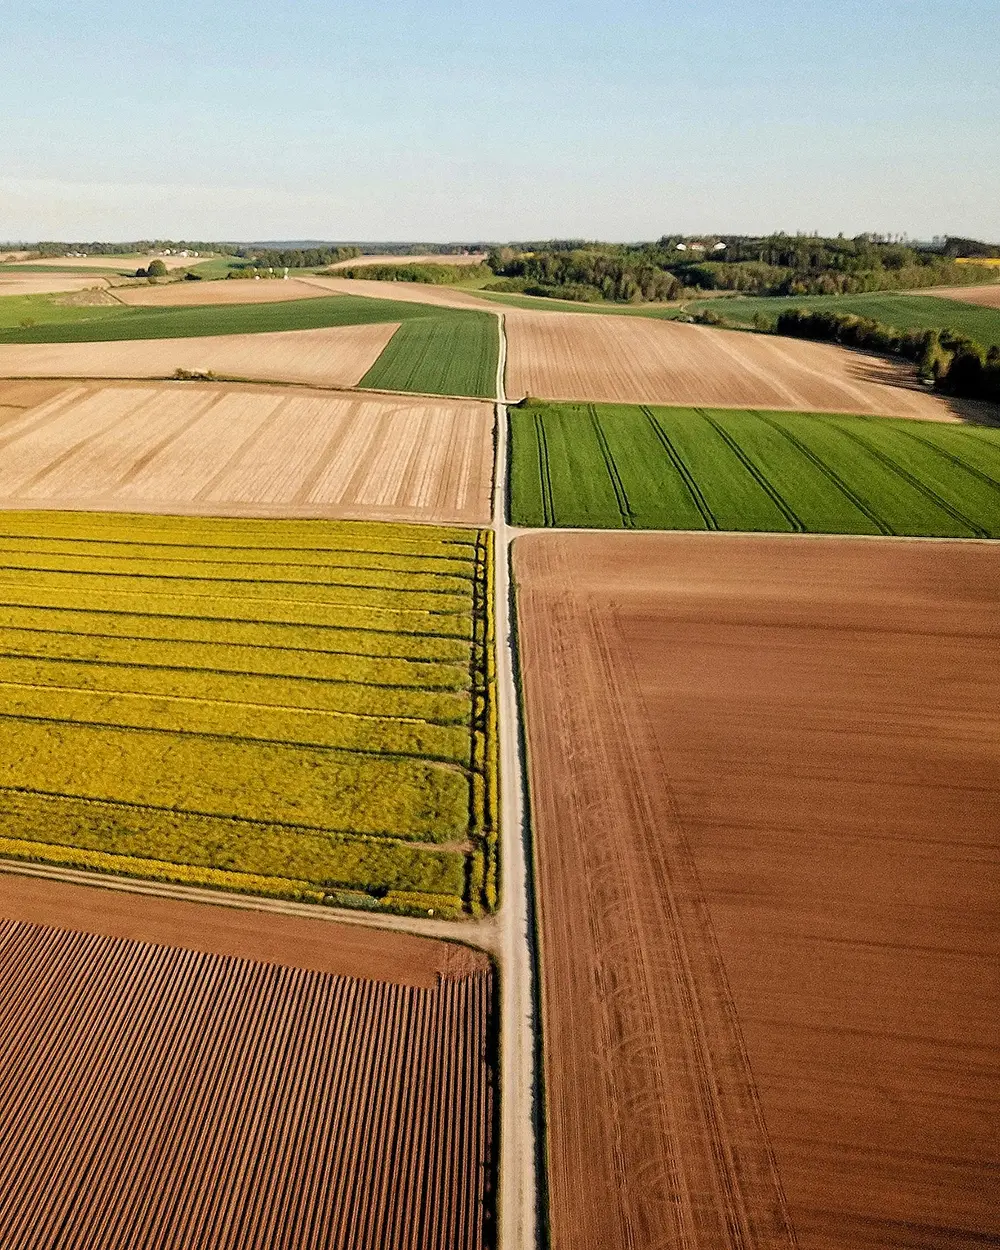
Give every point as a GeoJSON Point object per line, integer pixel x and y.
{"type": "Point", "coordinates": [434, 120]}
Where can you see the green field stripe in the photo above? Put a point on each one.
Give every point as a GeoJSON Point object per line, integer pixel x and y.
{"type": "Point", "coordinates": [307, 693]}
{"type": "Point", "coordinates": [544, 474]}
{"type": "Point", "coordinates": [320, 640]}
{"type": "Point", "coordinates": [617, 484]}
{"type": "Point", "coordinates": [759, 476]}
{"type": "Point", "coordinates": [683, 473]}
{"type": "Point", "coordinates": [949, 451]}
{"type": "Point", "coordinates": [576, 457]}
{"type": "Point", "coordinates": [286, 663]}
{"type": "Point", "coordinates": [932, 476]}
{"type": "Point", "coordinates": [440, 355]}
{"type": "Point", "coordinates": [812, 493]}
{"type": "Point", "coordinates": [804, 447]}
{"type": "Point", "coordinates": [904, 505]}
{"type": "Point", "coordinates": [232, 843]}
{"type": "Point", "coordinates": [389, 796]}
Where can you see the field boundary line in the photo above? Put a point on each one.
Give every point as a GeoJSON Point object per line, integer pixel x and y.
{"type": "Point", "coordinates": [481, 933]}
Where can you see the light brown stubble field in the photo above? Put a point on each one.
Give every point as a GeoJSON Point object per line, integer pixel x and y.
{"type": "Point", "coordinates": [337, 356]}
{"type": "Point", "coordinates": [222, 291]}
{"type": "Point", "coordinates": [244, 451]}
{"type": "Point", "coordinates": [987, 296]}
{"type": "Point", "coordinates": [764, 778]}
{"type": "Point", "coordinates": [233, 1080]}
{"type": "Point", "coordinates": [42, 284]}
{"type": "Point", "coordinates": [117, 262]}
{"type": "Point", "coordinates": [641, 360]}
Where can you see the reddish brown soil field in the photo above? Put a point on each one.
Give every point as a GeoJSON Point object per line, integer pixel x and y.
{"type": "Point", "coordinates": [236, 450]}
{"type": "Point", "coordinates": [171, 1097]}
{"type": "Point", "coordinates": [764, 780]}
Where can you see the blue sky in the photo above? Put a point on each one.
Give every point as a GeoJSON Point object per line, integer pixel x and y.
{"type": "Point", "coordinates": [435, 120]}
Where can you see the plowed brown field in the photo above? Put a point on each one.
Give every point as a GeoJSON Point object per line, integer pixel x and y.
{"type": "Point", "coordinates": [181, 1098]}
{"type": "Point", "coordinates": [244, 451]}
{"type": "Point", "coordinates": [224, 291]}
{"type": "Point", "coordinates": [639, 360]}
{"type": "Point", "coordinates": [764, 781]}
{"type": "Point", "coordinates": [988, 296]}
{"type": "Point", "coordinates": [408, 292]}
{"type": "Point", "coordinates": [338, 356]}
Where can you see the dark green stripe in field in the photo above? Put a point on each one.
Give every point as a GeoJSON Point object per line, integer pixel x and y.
{"type": "Point", "coordinates": [610, 466]}
{"type": "Point", "coordinates": [438, 351]}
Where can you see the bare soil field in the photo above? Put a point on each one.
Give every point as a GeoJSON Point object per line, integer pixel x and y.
{"type": "Point", "coordinates": [222, 291]}
{"type": "Point", "coordinates": [335, 356]}
{"type": "Point", "coordinates": [473, 258]}
{"type": "Point", "coordinates": [409, 292]}
{"type": "Point", "coordinates": [986, 296]}
{"type": "Point", "coordinates": [764, 777]}
{"type": "Point", "coordinates": [165, 1094]}
{"type": "Point", "coordinates": [117, 262]}
{"type": "Point", "coordinates": [244, 451]}
{"type": "Point", "coordinates": [42, 284]}
{"type": "Point", "coordinates": [635, 360]}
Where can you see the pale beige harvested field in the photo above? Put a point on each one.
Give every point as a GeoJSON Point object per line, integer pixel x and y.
{"type": "Point", "coordinates": [335, 356]}
{"type": "Point", "coordinates": [986, 296]}
{"type": "Point", "coordinates": [223, 291]}
{"type": "Point", "coordinates": [409, 292]}
{"type": "Point", "coordinates": [218, 450]}
{"type": "Point", "coordinates": [639, 360]}
{"type": "Point", "coordinates": [117, 262]}
{"type": "Point", "coordinates": [474, 258]}
{"type": "Point", "coordinates": [765, 776]}
{"type": "Point", "coordinates": [42, 284]}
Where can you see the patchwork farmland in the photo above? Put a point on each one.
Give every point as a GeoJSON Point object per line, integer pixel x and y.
{"type": "Point", "coordinates": [763, 781]}
{"type": "Point", "coordinates": [635, 467]}
{"type": "Point", "coordinates": [215, 449]}
{"type": "Point", "coordinates": [263, 1082]}
{"type": "Point", "coordinates": [301, 709]}
{"type": "Point", "coordinates": [337, 340]}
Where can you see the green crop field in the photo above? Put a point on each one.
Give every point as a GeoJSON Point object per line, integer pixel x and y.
{"type": "Point", "coordinates": [622, 466]}
{"type": "Point", "coordinates": [438, 351]}
{"type": "Point", "coordinates": [904, 312]}
{"type": "Point", "coordinates": [297, 708]}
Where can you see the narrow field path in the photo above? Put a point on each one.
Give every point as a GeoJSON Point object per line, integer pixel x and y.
{"type": "Point", "coordinates": [520, 1097]}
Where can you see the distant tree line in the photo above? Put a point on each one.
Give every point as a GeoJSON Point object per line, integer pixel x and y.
{"type": "Point", "coordinates": [296, 257]}
{"type": "Point", "coordinates": [954, 362]}
{"type": "Point", "coordinates": [400, 271]}
{"type": "Point", "coordinates": [772, 265]}
{"type": "Point", "coordinates": [137, 246]}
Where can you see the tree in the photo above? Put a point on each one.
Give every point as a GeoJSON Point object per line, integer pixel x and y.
{"type": "Point", "coordinates": [156, 269]}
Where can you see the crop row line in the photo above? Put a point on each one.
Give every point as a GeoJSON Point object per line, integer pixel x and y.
{"type": "Point", "coordinates": [544, 473]}
{"type": "Point", "coordinates": [73, 537]}
{"type": "Point", "coordinates": [232, 672]}
{"type": "Point", "coordinates": [617, 485]}
{"type": "Point", "coordinates": [927, 491]}
{"type": "Point", "coordinates": [984, 477]}
{"type": "Point", "coordinates": [760, 478]}
{"type": "Point", "coordinates": [383, 753]}
{"type": "Point", "coordinates": [829, 473]}
{"type": "Point", "coordinates": [685, 474]}
{"type": "Point", "coordinates": [243, 620]}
